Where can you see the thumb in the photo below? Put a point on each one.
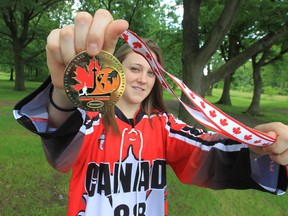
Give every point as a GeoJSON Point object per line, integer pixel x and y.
{"type": "Point", "coordinates": [113, 32]}
{"type": "Point", "coordinates": [270, 129]}
{"type": "Point", "coordinates": [272, 134]}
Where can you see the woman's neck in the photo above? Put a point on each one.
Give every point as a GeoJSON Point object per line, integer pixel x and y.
{"type": "Point", "coordinates": [128, 110]}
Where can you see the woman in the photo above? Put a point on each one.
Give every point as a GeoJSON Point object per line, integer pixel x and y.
{"type": "Point", "coordinates": [119, 160]}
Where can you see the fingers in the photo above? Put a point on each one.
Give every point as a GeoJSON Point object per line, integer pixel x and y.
{"type": "Point", "coordinates": [96, 35]}
{"type": "Point", "coordinates": [280, 132]}
{"type": "Point", "coordinates": [60, 50]}
{"type": "Point", "coordinates": [113, 32]}
{"type": "Point", "coordinates": [54, 57]}
{"type": "Point", "coordinates": [67, 45]}
{"type": "Point", "coordinates": [98, 32]}
{"type": "Point", "coordinates": [82, 23]}
{"type": "Point", "coordinates": [272, 126]}
{"type": "Point", "coordinates": [280, 158]}
{"type": "Point", "coordinates": [60, 44]}
{"type": "Point", "coordinates": [87, 33]}
{"type": "Point", "coordinates": [278, 147]}
{"type": "Point", "coordinates": [53, 46]}
{"type": "Point", "coordinates": [278, 151]}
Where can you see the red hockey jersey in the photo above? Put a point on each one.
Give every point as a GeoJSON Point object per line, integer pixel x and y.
{"type": "Point", "coordinates": [125, 174]}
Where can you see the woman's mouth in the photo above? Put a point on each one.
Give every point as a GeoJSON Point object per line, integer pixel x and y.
{"type": "Point", "coordinates": [136, 88]}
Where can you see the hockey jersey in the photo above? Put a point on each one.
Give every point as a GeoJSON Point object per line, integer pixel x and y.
{"type": "Point", "coordinates": [125, 174]}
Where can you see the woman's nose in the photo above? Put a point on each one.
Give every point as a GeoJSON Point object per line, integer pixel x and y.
{"type": "Point", "coordinates": [142, 77]}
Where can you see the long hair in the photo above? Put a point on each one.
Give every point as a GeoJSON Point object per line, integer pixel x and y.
{"type": "Point", "coordinates": [153, 101]}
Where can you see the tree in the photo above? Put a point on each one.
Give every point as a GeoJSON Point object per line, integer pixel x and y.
{"type": "Point", "coordinates": [233, 49]}
{"type": "Point", "coordinates": [251, 25]}
{"type": "Point", "coordinates": [194, 56]}
{"type": "Point", "coordinates": [275, 77]}
{"type": "Point", "coordinates": [266, 57]}
{"type": "Point", "coordinates": [140, 19]}
{"type": "Point", "coordinates": [151, 20]}
{"type": "Point", "coordinates": [21, 26]}
{"type": "Point", "coordinates": [196, 53]}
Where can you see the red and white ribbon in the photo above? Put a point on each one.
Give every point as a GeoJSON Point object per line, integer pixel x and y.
{"type": "Point", "coordinates": [205, 113]}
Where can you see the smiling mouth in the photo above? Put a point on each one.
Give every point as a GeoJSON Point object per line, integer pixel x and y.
{"type": "Point", "coordinates": [138, 89]}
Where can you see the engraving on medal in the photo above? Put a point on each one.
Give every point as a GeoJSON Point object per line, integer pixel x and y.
{"type": "Point", "coordinates": [94, 83]}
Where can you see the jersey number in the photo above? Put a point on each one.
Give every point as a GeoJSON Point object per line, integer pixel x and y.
{"type": "Point", "coordinates": [123, 210]}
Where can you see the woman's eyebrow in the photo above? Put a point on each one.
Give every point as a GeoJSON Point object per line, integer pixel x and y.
{"type": "Point", "coordinates": [137, 64]}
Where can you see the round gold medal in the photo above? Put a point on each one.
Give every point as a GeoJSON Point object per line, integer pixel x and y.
{"type": "Point", "coordinates": [94, 83]}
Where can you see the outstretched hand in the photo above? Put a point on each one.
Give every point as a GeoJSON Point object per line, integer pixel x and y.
{"type": "Point", "coordinates": [278, 151]}
{"type": "Point", "coordinates": [89, 33]}
{"type": "Point", "coordinates": [92, 34]}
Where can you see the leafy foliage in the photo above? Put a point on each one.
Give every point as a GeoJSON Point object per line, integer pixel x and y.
{"type": "Point", "coordinates": [150, 18]}
{"type": "Point", "coordinates": [25, 26]}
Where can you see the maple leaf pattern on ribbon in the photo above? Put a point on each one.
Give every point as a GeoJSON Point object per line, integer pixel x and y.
{"type": "Point", "coordinates": [192, 95]}
{"type": "Point", "coordinates": [156, 71]}
{"type": "Point", "coordinates": [223, 122]}
{"type": "Point", "coordinates": [137, 45]}
{"type": "Point", "coordinates": [203, 104]}
{"type": "Point", "coordinates": [148, 56]}
{"type": "Point", "coordinates": [183, 85]}
{"type": "Point", "coordinates": [85, 76]}
{"type": "Point", "coordinates": [213, 113]}
{"type": "Point", "coordinates": [237, 130]}
{"type": "Point", "coordinates": [248, 137]}
{"type": "Point", "coordinates": [125, 37]}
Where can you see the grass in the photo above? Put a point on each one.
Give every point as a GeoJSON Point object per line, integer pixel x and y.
{"type": "Point", "coordinates": [29, 186]}
{"type": "Point", "coordinates": [273, 108]}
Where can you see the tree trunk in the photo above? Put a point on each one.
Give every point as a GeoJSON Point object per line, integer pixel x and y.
{"type": "Point", "coordinates": [19, 72]}
{"type": "Point", "coordinates": [225, 97]}
{"type": "Point", "coordinates": [233, 50]}
{"type": "Point", "coordinates": [254, 108]}
{"type": "Point", "coordinates": [195, 57]}
{"type": "Point", "coordinates": [11, 74]}
{"type": "Point", "coordinates": [209, 91]}
{"type": "Point", "coordinates": [36, 73]}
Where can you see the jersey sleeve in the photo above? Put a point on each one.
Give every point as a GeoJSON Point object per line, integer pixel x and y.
{"type": "Point", "coordinates": [61, 145]}
{"type": "Point", "coordinates": [208, 159]}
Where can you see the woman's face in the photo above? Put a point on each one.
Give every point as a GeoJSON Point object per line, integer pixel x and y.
{"type": "Point", "coordinates": [140, 79]}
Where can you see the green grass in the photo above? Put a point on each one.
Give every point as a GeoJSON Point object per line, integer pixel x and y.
{"type": "Point", "coordinates": [191, 200]}
{"type": "Point", "coordinates": [29, 186]}
{"type": "Point", "coordinates": [8, 94]}
{"type": "Point", "coordinates": [273, 108]}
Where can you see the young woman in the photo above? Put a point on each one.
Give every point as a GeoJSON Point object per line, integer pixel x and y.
{"type": "Point", "coordinates": [118, 158]}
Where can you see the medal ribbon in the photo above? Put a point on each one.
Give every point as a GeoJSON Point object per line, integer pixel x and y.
{"type": "Point", "coordinates": [205, 113]}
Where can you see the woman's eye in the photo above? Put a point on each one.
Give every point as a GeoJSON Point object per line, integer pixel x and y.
{"type": "Point", "coordinates": [134, 69]}
{"type": "Point", "coordinates": [150, 74]}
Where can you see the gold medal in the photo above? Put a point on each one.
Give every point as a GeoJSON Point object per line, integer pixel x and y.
{"type": "Point", "coordinates": [94, 83]}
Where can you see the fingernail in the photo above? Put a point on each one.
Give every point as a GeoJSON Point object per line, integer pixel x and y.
{"type": "Point", "coordinates": [92, 48]}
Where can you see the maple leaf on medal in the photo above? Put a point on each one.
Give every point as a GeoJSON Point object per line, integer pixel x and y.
{"type": "Point", "coordinates": [85, 77]}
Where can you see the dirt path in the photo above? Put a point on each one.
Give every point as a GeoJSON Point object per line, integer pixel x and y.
{"type": "Point", "coordinates": [173, 106]}
{"type": "Point", "coordinates": [7, 103]}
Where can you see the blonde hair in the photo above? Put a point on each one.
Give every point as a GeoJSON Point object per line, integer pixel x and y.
{"type": "Point", "coordinates": [153, 101]}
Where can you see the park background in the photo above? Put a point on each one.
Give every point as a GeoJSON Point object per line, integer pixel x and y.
{"type": "Point", "coordinates": [232, 52]}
